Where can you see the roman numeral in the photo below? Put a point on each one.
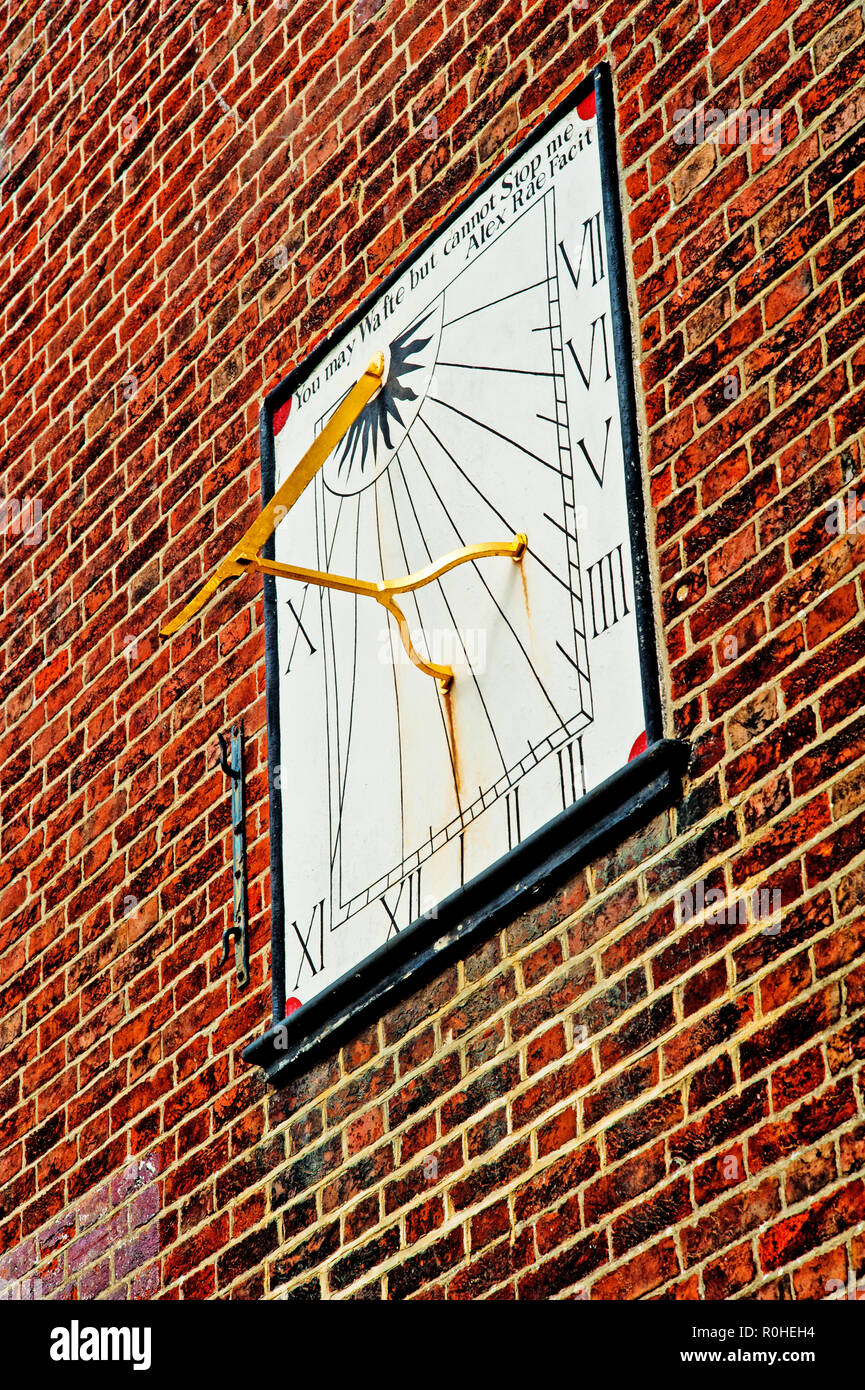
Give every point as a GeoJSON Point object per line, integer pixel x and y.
{"type": "Point", "coordinates": [587, 377]}
{"type": "Point", "coordinates": [571, 772]}
{"type": "Point", "coordinates": [592, 234]}
{"type": "Point", "coordinates": [393, 929]}
{"type": "Point", "coordinates": [317, 911]}
{"type": "Point", "coordinates": [299, 629]}
{"type": "Point", "coordinates": [607, 590]}
{"type": "Point", "coordinates": [412, 882]}
{"type": "Point", "coordinates": [599, 476]}
{"type": "Point", "coordinates": [512, 808]}
{"type": "Point", "coordinates": [414, 908]}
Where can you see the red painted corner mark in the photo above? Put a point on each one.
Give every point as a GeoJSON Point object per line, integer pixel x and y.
{"type": "Point", "coordinates": [279, 418]}
{"type": "Point", "coordinates": [291, 1006]}
{"type": "Point", "coordinates": [639, 747]}
{"type": "Point", "coordinates": [586, 107]}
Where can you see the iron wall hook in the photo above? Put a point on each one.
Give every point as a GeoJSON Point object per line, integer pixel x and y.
{"type": "Point", "coordinates": [233, 768]}
{"type": "Point", "coordinates": [223, 758]}
{"type": "Point", "coordinates": [229, 935]}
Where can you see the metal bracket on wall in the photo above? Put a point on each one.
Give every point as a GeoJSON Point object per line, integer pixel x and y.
{"type": "Point", "coordinates": [238, 930]}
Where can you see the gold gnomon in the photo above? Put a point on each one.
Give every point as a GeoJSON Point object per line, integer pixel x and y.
{"type": "Point", "coordinates": [246, 554]}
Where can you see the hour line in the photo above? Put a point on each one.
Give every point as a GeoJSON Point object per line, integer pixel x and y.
{"type": "Point", "coordinates": [534, 554]}
{"type": "Point", "coordinates": [480, 424]}
{"type": "Point", "coordinates": [482, 367]}
{"type": "Point", "coordinates": [493, 302]}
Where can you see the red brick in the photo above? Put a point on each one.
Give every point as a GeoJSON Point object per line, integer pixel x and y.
{"type": "Point", "coordinates": [641, 1275]}
{"type": "Point", "coordinates": [121, 1040]}
{"type": "Point", "coordinates": [792, 1237]}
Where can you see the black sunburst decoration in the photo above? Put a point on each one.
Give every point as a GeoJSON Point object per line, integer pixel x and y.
{"type": "Point", "coordinates": [373, 421]}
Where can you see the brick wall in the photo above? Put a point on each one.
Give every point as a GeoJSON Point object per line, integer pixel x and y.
{"type": "Point", "coordinates": [607, 1099]}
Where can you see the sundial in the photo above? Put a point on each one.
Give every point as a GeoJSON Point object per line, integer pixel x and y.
{"type": "Point", "coordinates": [459, 635]}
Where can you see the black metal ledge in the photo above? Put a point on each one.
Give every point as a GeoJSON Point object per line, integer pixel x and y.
{"type": "Point", "coordinates": [512, 885]}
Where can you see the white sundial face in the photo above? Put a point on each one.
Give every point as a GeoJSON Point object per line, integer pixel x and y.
{"type": "Point", "coordinates": [499, 414]}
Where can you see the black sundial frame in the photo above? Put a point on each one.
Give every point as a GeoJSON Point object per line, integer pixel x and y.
{"type": "Point", "coordinates": [603, 817]}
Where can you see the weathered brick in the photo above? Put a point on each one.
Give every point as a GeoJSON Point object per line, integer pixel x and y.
{"type": "Point", "coordinates": [158, 283]}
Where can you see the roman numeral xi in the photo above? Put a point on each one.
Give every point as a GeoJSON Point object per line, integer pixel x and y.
{"type": "Point", "coordinates": [311, 942]}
